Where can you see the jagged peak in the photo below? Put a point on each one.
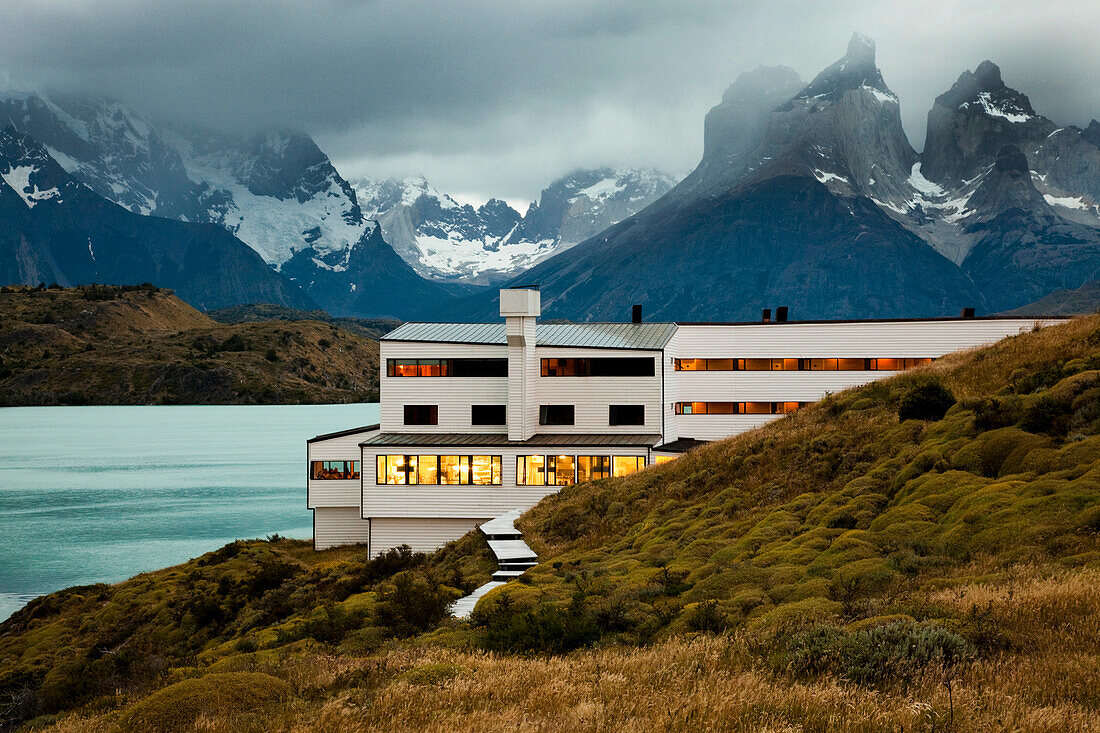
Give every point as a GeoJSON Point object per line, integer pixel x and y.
{"type": "Point", "coordinates": [1091, 134]}
{"type": "Point", "coordinates": [988, 76]}
{"type": "Point", "coordinates": [856, 69]}
{"type": "Point", "coordinates": [983, 90]}
{"type": "Point", "coordinates": [763, 81]}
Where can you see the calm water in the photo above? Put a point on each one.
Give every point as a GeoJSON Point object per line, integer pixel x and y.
{"type": "Point", "coordinates": [98, 494]}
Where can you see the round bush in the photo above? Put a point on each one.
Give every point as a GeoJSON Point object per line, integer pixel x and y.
{"type": "Point", "coordinates": [927, 401]}
{"type": "Point", "coordinates": [229, 694]}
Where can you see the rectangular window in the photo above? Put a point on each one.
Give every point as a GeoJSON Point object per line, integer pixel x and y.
{"type": "Point", "coordinates": [488, 415]}
{"type": "Point", "coordinates": [555, 414]}
{"type": "Point", "coordinates": [737, 408]}
{"type": "Point", "coordinates": [658, 460]}
{"type": "Point", "coordinates": [485, 470]}
{"type": "Point", "coordinates": [531, 470]}
{"type": "Point", "coordinates": [559, 470]}
{"type": "Point", "coordinates": [790, 365]}
{"type": "Point", "coordinates": [333, 470]}
{"type": "Point", "coordinates": [432, 470]}
{"type": "Point", "coordinates": [454, 469]}
{"type": "Point", "coordinates": [446, 367]}
{"type": "Point", "coordinates": [626, 414]}
{"type": "Point", "coordinates": [421, 414]}
{"type": "Point", "coordinates": [626, 465]}
{"type": "Point", "coordinates": [615, 366]}
{"type": "Point", "coordinates": [590, 468]}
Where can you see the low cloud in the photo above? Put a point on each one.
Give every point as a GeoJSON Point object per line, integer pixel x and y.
{"type": "Point", "coordinates": [498, 98]}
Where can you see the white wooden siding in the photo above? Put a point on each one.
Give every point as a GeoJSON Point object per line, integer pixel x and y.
{"type": "Point", "coordinates": [844, 340]}
{"type": "Point", "coordinates": [334, 493]}
{"type": "Point", "coordinates": [388, 500]}
{"type": "Point", "coordinates": [333, 526]}
{"type": "Point", "coordinates": [716, 427]}
{"type": "Point", "coordinates": [453, 395]}
{"type": "Point", "coordinates": [591, 396]}
{"type": "Point", "coordinates": [422, 535]}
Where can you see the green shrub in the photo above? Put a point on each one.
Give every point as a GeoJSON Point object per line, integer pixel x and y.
{"type": "Point", "coordinates": [706, 616]}
{"type": "Point", "coordinates": [412, 601]}
{"type": "Point", "coordinates": [1046, 415]}
{"type": "Point", "coordinates": [546, 628]}
{"type": "Point", "coordinates": [431, 674]}
{"type": "Point", "coordinates": [929, 400]}
{"type": "Point", "coordinates": [898, 651]}
{"type": "Point", "coordinates": [232, 694]}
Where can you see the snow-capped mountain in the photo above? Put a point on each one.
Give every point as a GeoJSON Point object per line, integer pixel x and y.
{"type": "Point", "coordinates": [276, 191]}
{"type": "Point", "coordinates": [810, 195]}
{"type": "Point", "coordinates": [55, 229]}
{"type": "Point", "coordinates": [444, 239]}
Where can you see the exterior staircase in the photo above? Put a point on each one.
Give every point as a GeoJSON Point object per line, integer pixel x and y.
{"type": "Point", "coordinates": [514, 558]}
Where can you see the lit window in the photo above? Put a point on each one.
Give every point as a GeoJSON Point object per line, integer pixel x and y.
{"type": "Point", "coordinates": [446, 367]}
{"type": "Point", "coordinates": [453, 469]}
{"type": "Point", "coordinates": [658, 460]}
{"type": "Point", "coordinates": [531, 470]}
{"type": "Point", "coordinates": [396, 470]}
{"type": "Point", "coordinates": [333, 470]}
{"type": "Point", "coordinates": [590, 468]}
{"type": "Point", "coordinates": [626, 465]}
{"type": "Point", "coordinates": [427, 469]}
{"type": "Point", "coordinates": [559, 470]}
{"type": "Point", "coordinates": [485, 470]}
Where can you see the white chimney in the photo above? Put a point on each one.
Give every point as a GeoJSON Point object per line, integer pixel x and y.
{"type": "Point", "coordinates": [520, 307]}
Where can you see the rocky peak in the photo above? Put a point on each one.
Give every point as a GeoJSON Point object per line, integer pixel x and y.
{"type": "Point", "coordinates": [29, 171]}
{"type": "Point", "coordinates": [1091, 134]}
{"type": "Point", "coordinates": [856, 69]}
{"type": "Point", "coordinates": [735, 126]}
{"type": "Point", "coordinates": [1007, 186]}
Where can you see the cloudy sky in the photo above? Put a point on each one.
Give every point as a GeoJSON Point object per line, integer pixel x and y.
{"type": "Point", "coordinates": [497, 98]}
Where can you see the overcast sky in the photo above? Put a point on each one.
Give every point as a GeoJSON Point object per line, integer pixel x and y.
{"type": "Point", "coordinates": [498, 98]}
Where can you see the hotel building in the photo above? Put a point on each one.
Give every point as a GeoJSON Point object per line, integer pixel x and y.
{"type": "Point", "coordinates": [481, 418]}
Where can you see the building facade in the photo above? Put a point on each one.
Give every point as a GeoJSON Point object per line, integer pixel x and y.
{"type": "Point", "coordinates": [480, 418]}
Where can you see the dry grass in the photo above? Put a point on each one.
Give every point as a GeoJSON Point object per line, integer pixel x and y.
{"type": "Point", "coordinates": [1049, 682]}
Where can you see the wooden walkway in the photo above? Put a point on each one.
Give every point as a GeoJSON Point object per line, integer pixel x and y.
{"type": "Point", "coordinates": [513, 556]}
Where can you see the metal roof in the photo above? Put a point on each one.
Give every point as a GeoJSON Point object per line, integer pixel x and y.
{"type": "Point", "coordinates": [343, 433]}
{"type": "Point", "coordinates": [646, 336]}
{"type": "Point", "coordinates": [681, 445]}
{"type": "Point", "coordinates": [500, 439]}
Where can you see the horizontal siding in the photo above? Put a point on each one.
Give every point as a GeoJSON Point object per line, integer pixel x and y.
{"type": "Point", "coordinates": [778, 386]}
{"type": "Point", "coordinates": [464, 501]}
{"type": "Point", "coordinates": [329, 493]}
{"type": "Point", "coordinates": [716, 427]}
{"type": "Point", "coordinates": [422, 534]}
{"type": "Point", "coordinates": [333, 526]}
{"type": "Point", "coordinates": [848, 340]}
{"type": "Point", "coordinates": [453, 395]}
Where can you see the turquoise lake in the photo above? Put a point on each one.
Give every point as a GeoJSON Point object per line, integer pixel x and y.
{"type": "Point", "coordinates": [99, 494]}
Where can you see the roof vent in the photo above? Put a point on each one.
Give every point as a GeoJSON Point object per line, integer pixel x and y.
{"type": "Point", "coordinates": [781, 314]}
{"type": "Point", "coordinates": [636, 314]}
{"type": "Point", "coordinates": [766, 317]}
{"type": "Point", "coordinates": [966, 313]}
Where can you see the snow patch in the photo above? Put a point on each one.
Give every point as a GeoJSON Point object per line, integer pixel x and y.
{"type": "Point", "coordinates": [604, 189]}
{"type": "Point", "coordinates": [922, 184]}
{"type": "Point", "coordinates": [1068, 202]}
{"type": "Point", "coordinates": [880, 95]}
{"type": "Point", "coordinates": [987, 104]}
{"type": "Point", "coordinates": [825, 177]}
{"type": "Point", "coordinates": [19, 178]}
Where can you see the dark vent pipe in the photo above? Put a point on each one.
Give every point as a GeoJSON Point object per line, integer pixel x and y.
{"type": "Point", "coordinates": [967, 313]}
{"type": "Point", "coordinates": [636, 314]}
{"type": "Point", "coordinates": [781, 314]}
{"type": "Point", "coordinates": [766, 317]}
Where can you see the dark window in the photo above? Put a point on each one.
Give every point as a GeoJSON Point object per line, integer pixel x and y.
{"type": "Point", "coordinates": [626, 414]}
{"type": "Point", "coordinates": [556, 415]}
{"type": "Point", "coordinates": [421, 415]}
{"type": "Point", "coordinates": [625, 366]}
{"type": "Point", "coordinates": [446, 367]}
{"type": "Point", "coordinates": [488, 415]}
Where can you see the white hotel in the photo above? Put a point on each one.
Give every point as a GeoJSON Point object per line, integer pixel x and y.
{"type": "Point", "coordinates": [481, 418]}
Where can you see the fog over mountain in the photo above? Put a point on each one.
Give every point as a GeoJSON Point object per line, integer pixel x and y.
{"type": "Point", "coordinates": [494, 99]}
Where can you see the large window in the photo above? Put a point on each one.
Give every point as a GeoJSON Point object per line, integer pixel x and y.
{"type": "Point", "coordinates": [333, 470]}
{"type": "Point", "coordinates": [446, 367]}
{"type": "Point", "coordinates": [590, 468]}
{"type": "Point", "coordinates": [615, 366]}
{"type": "Point", "coordinates": [626, 414]}
{"type": "Point", "coordinates": [488, 415]}
{"type": "Point", "coordinates": [565, 470]}
{"type": "Point", "coordinates": [421, 414]}
{"type": "Point", "coordinates": [556, 414]}
{"type": "Point", "coordinates": [432, 470]}
{"type": "Point", "coordinates": [737, 408]}
{"type": "Point", "coordinates": [788, 365]}
{"type": "Point", "coordinates": [626, 465]}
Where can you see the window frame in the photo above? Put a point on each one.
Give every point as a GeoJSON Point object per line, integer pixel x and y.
{"type": "Point", "coordinates": [463, 368]}
{"type": "Point", "coordinates": [433, 414]}
{"type": "Point", "coordinates": [544, 412]}
{"type": "Point", "coordinates": [611, 415]}
{"type": "Point", "coordinates": [503, 414]}
{"type": "Point", "coordinates": [315, 467]}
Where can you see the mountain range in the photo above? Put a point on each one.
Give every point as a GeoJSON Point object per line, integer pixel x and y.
{"type": "Point", "coordinates": [810, 195]}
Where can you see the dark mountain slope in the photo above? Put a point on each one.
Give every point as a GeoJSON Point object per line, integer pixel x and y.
{"type": "Point", "coordinates": [57, 230]}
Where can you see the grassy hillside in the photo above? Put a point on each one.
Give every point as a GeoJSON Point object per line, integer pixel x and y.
{"type": "Point", "coordinates": [109, 345]}
{"type": "Point", "coordinates": [920, 554]}
{"type": "Point", "coordinates": [369, 328]}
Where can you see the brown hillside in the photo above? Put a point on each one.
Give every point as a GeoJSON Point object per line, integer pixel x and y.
{"type": "Point", "coordinates": [98, 345]}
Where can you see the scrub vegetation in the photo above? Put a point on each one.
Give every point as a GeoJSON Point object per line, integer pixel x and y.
{"type": "Point", "coordinates": [140, 345]}
{"type": "Point", "coordinates": [920, 554]}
